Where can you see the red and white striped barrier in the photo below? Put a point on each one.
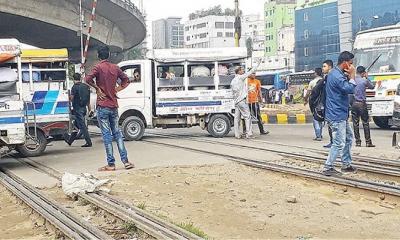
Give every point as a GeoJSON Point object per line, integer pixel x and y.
{"type": "Point", "coordinates": [85, 52]}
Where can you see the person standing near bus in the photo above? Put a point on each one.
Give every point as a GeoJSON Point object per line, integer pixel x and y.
{"type": "Point", "coordinates": [359, 107]}
{"type": "Point", "coordinates": [106, 75]}
{"type": "Point", "coordinates": [80, 98]}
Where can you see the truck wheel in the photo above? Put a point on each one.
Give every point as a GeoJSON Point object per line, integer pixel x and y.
{"type": "Point", "coordinates": [33, 147]}
{"type": "Point", "coordinates": [219, 126]}
{"type": "Point", "coordinates": [133, 128]}
{"type": "Point", "coordinates": [382, 122]}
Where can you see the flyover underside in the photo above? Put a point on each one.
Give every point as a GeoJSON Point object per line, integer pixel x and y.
{"type": "Point", "coordinates": [55, 24]}
{"type": "Point", "coordinates": [38, 33]}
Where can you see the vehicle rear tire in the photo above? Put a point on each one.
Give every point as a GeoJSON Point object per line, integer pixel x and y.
{"type": "Point", "coordinates": [33, 147]}
{"type": "Point", "coordinates": [382, 122]}
{"type": "Point", "coordinates": [219, 126]}
{"type": "Point", "coordinates": [133, 128]}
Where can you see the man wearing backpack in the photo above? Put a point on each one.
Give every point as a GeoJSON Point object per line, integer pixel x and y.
{"type": "Point", "coordinates": [80, 98]}
{"type": "Point", "coordinates": [340, 83]}
{"type": "Point", "coordinates": [317, 123]}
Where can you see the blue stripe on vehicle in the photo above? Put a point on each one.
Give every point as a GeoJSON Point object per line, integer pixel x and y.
{"type": "Point", "coordinates": [189, 104]}
{"type": "Point", "coordinates": [62, 108]}
{"type": "Point", "coordinates": [39, 96]}
{"type": "Point", "coordinates": [9, 120]}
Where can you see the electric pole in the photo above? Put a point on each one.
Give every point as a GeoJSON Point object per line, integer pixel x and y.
{"type": "Point", "coordinates": [238, 24]}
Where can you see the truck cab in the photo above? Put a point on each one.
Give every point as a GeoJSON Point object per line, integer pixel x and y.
{"type": "Point", "coordinates": [180, 88]}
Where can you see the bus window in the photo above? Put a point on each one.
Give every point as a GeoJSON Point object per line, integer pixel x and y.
{"type": "Point", "coordinates": [45, 72]}
{"type": "Point", "coordinates": [170, 77]}
{"type": "Point", "coordinates": [200, 77]}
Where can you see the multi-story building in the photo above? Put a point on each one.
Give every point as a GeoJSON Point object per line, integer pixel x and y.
{"type": "Point", "coordinates": [278, 14]}
{"type": "Point", "coordinates": [325, 28]}
{"type": "Point", "coordinates": [316, 33]}
{"type": "Point", "coordinates": [253, 28]}
{"type": "Point", "coordinates": [210, 32]}
{"type": "Point", "coordinates": [168, 33]}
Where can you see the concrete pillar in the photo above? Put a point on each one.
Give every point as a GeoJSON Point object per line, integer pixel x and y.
{"type": "Point", "coordinates": [345, 25]}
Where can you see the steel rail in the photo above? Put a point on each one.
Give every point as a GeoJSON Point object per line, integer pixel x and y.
{"type": "Point", "coordinates": [366, 167]}
{"type": "Point", "coordinates": [361, 184]}
{"type": "Point", "coordinates": [361, 158]}
{"type": "Point", "coordinates": [148, 223]}
{"type": "Point", "coordinates": [70, 225]}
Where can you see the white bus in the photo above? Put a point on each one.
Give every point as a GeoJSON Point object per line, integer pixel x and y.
{"type": "Point", "coordinates": [180, 88]}
{"type": "Point", "coordinates": [42, 80]}
{"type": "Point", "coordinates": [383, 46]}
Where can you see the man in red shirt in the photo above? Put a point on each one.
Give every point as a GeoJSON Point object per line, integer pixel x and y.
{"type": "Point", "coordinates": [106, 75]}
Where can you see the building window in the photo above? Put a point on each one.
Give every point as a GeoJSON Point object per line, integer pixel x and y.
{"type": "Point", "coordinates": [220, 34]}
{"type": "Point", "coordinates": [229, 25]}
{"type": "Point", "coordinates": [188, 38]}
{"type": "Point", "coordinates": [229, 34]}
{"type": "Point", "coordinates": [203, 35]}
{"type": "Point", "coordinates": [266, 13]}
{"type": "Point", "coordinates": [306, 34]}
{"type": "Point", "coordinates": [186, 29]}
{"type": "Point", "coordinates": [219, 24]}
{"type": "Point", "coordinates": [201, 25]}
{"type": "Point", "coordinates": [305, 17]}
{"type": "Point", "coordinates": [306, 52]}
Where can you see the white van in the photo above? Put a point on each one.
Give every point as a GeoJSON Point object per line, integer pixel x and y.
{"type": "Point", "coordinates": [180, 88]}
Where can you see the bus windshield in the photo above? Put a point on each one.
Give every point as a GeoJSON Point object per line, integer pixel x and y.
{"type": "Point", "coordinates": [389, 60]}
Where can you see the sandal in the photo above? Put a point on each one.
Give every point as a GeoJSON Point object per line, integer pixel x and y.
{"type": "Point", "coordinates": [129, 165]}
{"type": "Point", "coordinates": [106, 168]}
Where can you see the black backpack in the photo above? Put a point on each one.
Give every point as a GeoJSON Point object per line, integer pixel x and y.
{"type": "Point", "coordinates": [84, 95]}
{"type": "Point", "coordinates": [318, 100]}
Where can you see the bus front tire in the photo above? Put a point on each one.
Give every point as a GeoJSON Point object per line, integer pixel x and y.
{"type": "Point", "coordinates": [219, 126]}
{"type": "Point", "coordinates": [33, 147]}
{"type": "Point", "coordinates": [133, 128]}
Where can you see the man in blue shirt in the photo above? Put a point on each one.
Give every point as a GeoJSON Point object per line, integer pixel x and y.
{"type": "Point", "coordinates": [340, 83]}
{"type": "Point", "coordinates": [359, 107]}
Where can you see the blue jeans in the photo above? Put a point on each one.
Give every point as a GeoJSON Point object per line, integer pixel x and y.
{"type": "Point", "coordinates": [318, 126]}
{"type": "Point", "coordinates": [342, 135]}
{"type": "Point", "coordinates": [108, 121]}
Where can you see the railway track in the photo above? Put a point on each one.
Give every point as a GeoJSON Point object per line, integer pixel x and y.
{"type": "Point", "coordinates": [68, 224]}
{"type": "Point", "coordinates": [360, 158]}
{"type": "Point", "coordinates": [148, 223]}
{"type": "Point", "coordinates": [316, 175]}
{"type": "Point", "coordinates": [367, 165]}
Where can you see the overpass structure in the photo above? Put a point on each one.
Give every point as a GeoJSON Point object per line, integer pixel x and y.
{"type": "Point", "coordinates": [56, 23]}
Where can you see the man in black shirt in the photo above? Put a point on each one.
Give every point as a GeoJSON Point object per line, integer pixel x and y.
{"type": "Point", "coordinates": [80, 98]}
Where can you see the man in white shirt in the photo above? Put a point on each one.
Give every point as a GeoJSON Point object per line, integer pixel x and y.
{"type": "Point", "coordinates": [240, 91]}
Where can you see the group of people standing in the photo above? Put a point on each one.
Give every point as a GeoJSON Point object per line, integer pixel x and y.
{"type": "Point", "coordinates": [341, 90]}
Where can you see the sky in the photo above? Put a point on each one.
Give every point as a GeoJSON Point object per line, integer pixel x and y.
{"type": "Point", "coordinates": [156, 9]}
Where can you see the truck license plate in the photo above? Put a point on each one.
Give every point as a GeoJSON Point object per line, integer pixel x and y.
{"type": "Point", "coordinates": [381, 109]}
